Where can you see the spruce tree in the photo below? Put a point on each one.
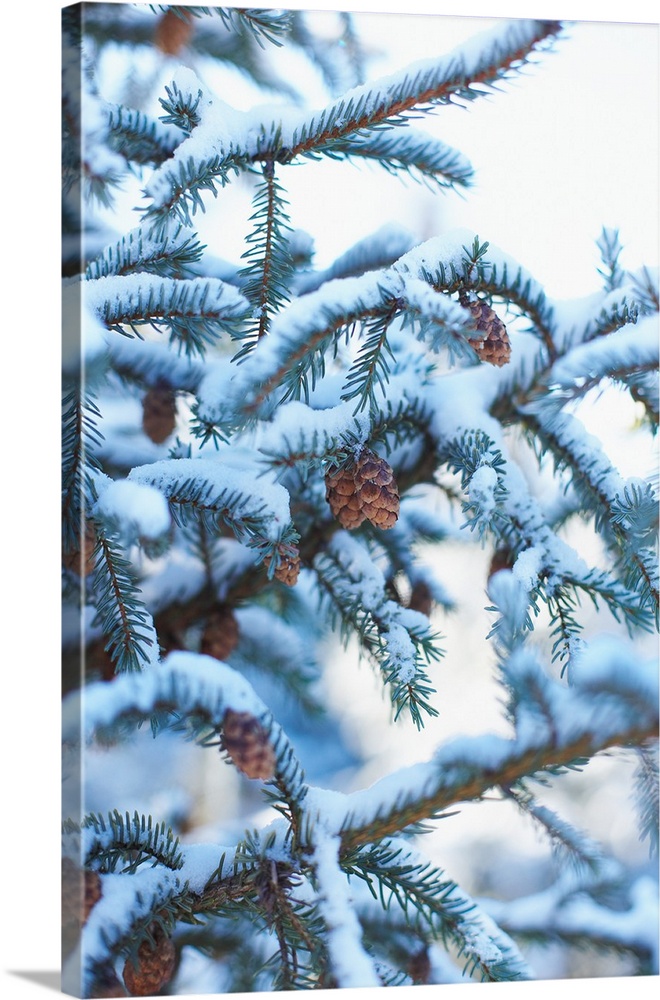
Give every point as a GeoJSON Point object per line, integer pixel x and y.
{"type": "Point", "coordinates": [263, 460]}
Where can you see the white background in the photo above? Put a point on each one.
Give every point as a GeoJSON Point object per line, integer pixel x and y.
{"type": "Point", "coordinates": [29, 858]}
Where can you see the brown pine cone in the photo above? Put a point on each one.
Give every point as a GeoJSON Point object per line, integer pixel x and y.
{"type": "Point", "coordinates": [155, 966]}
{"type": "Point", "coordinates": [419, 967]}
{"type": "Point", "coordinates": [159, 412]}
{"type": "Point", "coordinates": [495, 347]}
{"type": "Point", "coordinates": [366, 489]}
{"type": "Point", "coordinates": [503, 558]}
{"type": "Point", "coordinates": [376, 490]}
{"type": "Point", "coordinates": [340, 494]}
{"type": "Point", "coordinates": [288, 568]}
{"type": "Point", "coordinates": [246, 742]}
{"type": "Point", "coordinates": [173, 32]}
{"type": "Point", "coordinates": [421, 598]}
{"type": "Point", "coordinates": [220, 636]}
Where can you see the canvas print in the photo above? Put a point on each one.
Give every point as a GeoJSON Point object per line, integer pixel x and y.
{"type": "Point", "coordinates": [359, 500]}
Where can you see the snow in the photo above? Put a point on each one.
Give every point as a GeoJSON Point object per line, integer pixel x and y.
{"type": "Point", "coordinates": [266, 629]}
{"type": "Point", "coordinates": [563, 908]}
{"type": "Point", "coordinates": [422, 298]}
{"type": "Point", "coordinates": [124, 901]}
{"type": "Point", "coordinates": [194, 681]}
{"type": "Point", "coordinates": [297, 428]}
{"type": "Point", "coordinates": [605, 664]}
{"type": "Point", "coordinates": [585, 449]}
{"type": "Point", "coordinates": [140, 510]}
{"type": "Point", "coordinates": [223, 132]}
{"type": "Point", "coordinates": [593, 708]}
{"type": "Point", "coordinates": [115, 296]}
{"type": "Point", "coordinates": [239, 489]}
{"type": "Point", "coordinates": [363, 579]}
{"type": "Point", "coordinates": [510, 594]}
{"type": "Point", "coordinates": [213, 391]}
{"type": "Point", "coordinates": [527, 567]}
{"type": "Point", "coordinates": [350, 963]}
{"type": "Point", "coordinates": [362, 585]}
{"type": "Point", "coordinates": [154, 360]}
{"type": "Point", "coordinates": [633, 346]}
{"type": "Point", "coordinates": [293, 329]}
{"type": "Point", "coordinates": [200, 861]}
{"type": "Point", "coordinates": [390, 240]}
{"type": "Point", "coordinates": [483, 484]}
{"type": "Point", "coordinates": [577, 320]}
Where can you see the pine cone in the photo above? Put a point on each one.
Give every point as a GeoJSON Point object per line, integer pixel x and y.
{"type": "Point", "coordinates": [376, 490]}
{"type": "Point", "coordinates": [246, 742]}
{"type": "Point", "coordinates": [340, 494]}
{"type": "Point", "coordinates": [159, 412]}
{"type": "Point", "coordinates": [364, 490]}
{"type": "Point", "coordinates": [421, 598]}
{"type": "Point", "coordinates": [495, 348]}
{"type": "Point", "coordinates": [503, 558]}
{"type": "Point", "coordinates": [173, 32]}
{"type": "Point", "coordinates": [220, 636]}
{"type": "Point", "coordinates": [155, 966]}
{"type": "Point", "coordinates": [288, 567]}
{"type": "Point", "coordinates": [419, 967]}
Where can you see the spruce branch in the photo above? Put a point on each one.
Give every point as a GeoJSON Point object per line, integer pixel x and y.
{"type": "Point", "coordinates": [195, 312]}
{"type": "Point", "coordinates": [604, 708]}
{"type": "Point", "coordinates": [268, 25]}
{"type": "Point", "coordinates": [610, 248]}
{"type": "Point", "coordinates": [265, 280]}
{"type": "Point", "coordinates": [647, 796]}
{"type": "Point", "coordinates": [568, 842]}
{"type": "Point", "coordinates": [335, 58]}
{"type": "Point", "coordinates": [608, 495]}
{"type": "Point", "coordinates": [433, 903]}
{"type": "Point", "coordinates": [312, 326]}
{"type": "Point", "coordinates": [400, 641]}
{"type": "Point", "coordinates": [223, 496]}
{"type": "Point", "coordinates": [139, 138]}
{"type": "Point", "coordinates": [181, 108]}
{"type": "Point", "coordinates": [483, 477]}
{"type": "Point", "coordinates": [179, 190]}
{"type": "Point", "coordinates": [188, 685]}
{"type": "Point", "coordinates": [171, 257]}
{"type": "Point", "coordinates": [645, 290]}
{"type": "Point", "coordinates": [449, 80]}
{"type": "Point", "coordinates": [624, 356]}
{"type": "Point", "coordinates": [575, 915]}
{"type": "Point", "coordinates": [126, 842]}
{"type": "Point", "coordinates": [350, 967]}
{"type": "Point", "coordinates": [301, 363]}
{"type": "Point", "coordinates": [127, 625]}
{"type": "Point", "coordinates": [371, 369]}
{"type": "Point", "coordinates": [80, 438]}
{"type": "Point", "coordinates": [410, 153]}
{"type": "Point", "coordinates": [372, 253]}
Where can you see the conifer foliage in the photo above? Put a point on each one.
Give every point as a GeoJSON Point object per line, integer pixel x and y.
{"type": "Point", "coordinates": [259, 455]}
